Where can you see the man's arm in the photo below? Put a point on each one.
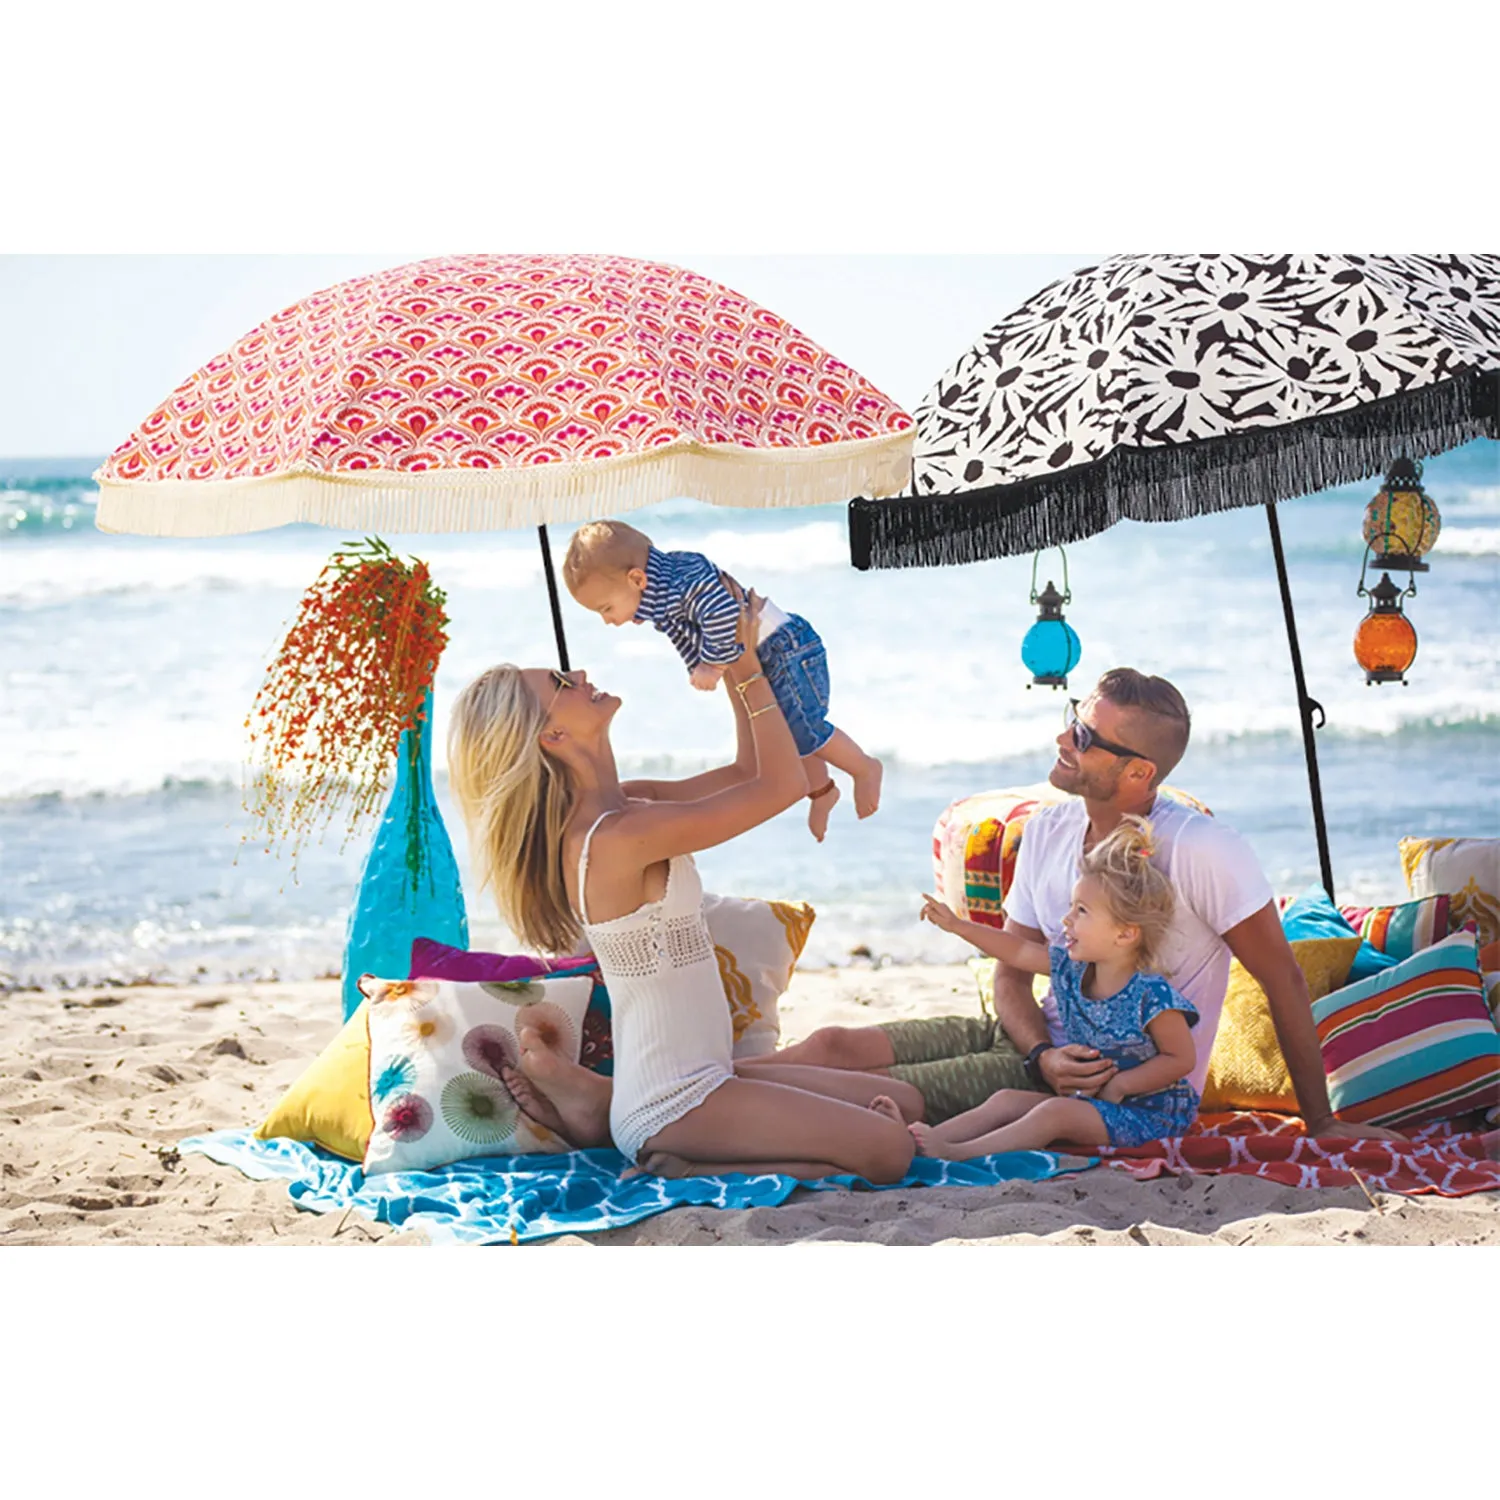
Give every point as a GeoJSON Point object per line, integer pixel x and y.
{"type": "Point", "coordinates": [1070, 1069]}
{"type": "Point", "coordinates": [1260, 945]}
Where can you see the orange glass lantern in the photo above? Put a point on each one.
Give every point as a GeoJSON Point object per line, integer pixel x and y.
{"type": "Point", "coordinates": [1385, 644]}
{"type": "Point", "coordinates": [1401, 522]}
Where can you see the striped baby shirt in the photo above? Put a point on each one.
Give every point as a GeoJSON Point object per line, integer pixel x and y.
{"type": "Point", "coordinates": [690, 604]}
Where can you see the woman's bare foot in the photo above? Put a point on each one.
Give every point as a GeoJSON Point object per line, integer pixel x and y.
{"type": "Point", "coordinates": [531, 1102]}
{"type": "Point", "coordinates": [663, 1164]}
{"type": "Point", "coordinates": [883, 1105]}
{"type": "Point", "coordinates": [867, 787]}
{"type": "Point", "coordinates": [579, 1099]}
{"type": "Point", "coordinates": [820, 807]}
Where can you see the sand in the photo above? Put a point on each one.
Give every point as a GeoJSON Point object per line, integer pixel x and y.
{"type": "Point", "coordinates": [98, 1086]}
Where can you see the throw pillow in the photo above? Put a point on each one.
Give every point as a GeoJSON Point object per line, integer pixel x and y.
{"type": "Point", "coordinates": [1467, 871]}
{"type": "Point", "coordinates": [1313, 915]}
{"type": "Point", "coordinates": [976, 840]}
{"type": "Point", "coordinates": [1400, 931]}
{"type": "Point", "coordinates": [436, 1051]}
{"type": "Point", "coordinates": [1246, 1069]}
{"type": "Point", "coordinates": [1413, 1044]}
{"type": "Point", "coordinates": [329, 1105]}
{"type": "Point", "coordinates": [757, 944]}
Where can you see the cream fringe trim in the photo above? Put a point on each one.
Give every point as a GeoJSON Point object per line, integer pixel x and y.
{"type": "Point", "coordinates": [500, 499]}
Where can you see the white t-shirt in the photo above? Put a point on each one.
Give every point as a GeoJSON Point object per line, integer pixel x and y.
{"type": "Point", "coordinates": [1217, 879]}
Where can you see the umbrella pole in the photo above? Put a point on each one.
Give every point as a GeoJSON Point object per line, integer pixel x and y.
{"type": "Point", "coordinates": [557, 624]}
{"type": "Point", "coordinates": [1305, 706]}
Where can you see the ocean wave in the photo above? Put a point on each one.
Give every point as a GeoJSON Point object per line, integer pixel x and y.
{"type": "Point", "coordinates": [1468, 541]}
{"type": "Point", "coordinates": [107, 776]}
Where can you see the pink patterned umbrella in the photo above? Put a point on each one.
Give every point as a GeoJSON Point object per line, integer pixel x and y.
{"type": "Point", "coordinates": [481, 392]}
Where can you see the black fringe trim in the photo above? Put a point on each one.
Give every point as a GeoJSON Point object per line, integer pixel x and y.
{"type": "Point", "coordinates": [1256, 467]}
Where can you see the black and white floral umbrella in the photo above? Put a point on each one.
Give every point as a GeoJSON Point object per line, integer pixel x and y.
{"type": "Point", "coordinates": [1159, 387]}
{"type": "Point", "coordinates": [1164, 386]}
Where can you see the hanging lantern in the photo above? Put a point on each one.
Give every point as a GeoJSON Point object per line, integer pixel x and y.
{"type": "Point", "coordinates": [1385, 644]}
{"type": "Point", "coordinates": [1051, 648]}
{"type": "Point", "coordinates": [1401, 522]}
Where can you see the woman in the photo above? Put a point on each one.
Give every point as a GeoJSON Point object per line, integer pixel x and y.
{"type": "Point", "coordinates": [572, 854]}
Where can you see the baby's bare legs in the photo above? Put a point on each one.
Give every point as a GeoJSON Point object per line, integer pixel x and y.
{"type": "Point", "coordinates": [1049, 1123]}
{"type": "Point", "coordinates": [865, 770]}
{"type": "Point", "coordinates": [821, 792]}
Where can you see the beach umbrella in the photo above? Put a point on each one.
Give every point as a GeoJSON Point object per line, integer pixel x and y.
{"type": "Point", "coordinates": [1158, 387]}
{"type": "Point", "coordinates": [484, 392]}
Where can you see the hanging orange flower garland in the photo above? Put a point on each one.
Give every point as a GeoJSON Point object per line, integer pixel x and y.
{"type": "Point", "coordinates": [350, 677]}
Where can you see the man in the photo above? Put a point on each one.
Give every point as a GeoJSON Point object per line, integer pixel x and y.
{"type": "Point", "coordinates": [1113, 754]}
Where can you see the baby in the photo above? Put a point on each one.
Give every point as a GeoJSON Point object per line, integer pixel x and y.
{"type": "Point", "coordinates": [613, 569]}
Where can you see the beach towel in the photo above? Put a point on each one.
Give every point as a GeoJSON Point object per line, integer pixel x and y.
{"type": "Point", "coordinates": [511, 1199]}
{"type": "Point", "coordinates": [1444, 1158]}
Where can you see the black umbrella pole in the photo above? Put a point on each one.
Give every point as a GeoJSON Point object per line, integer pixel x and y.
{"type": "Point", "coordinates": [557, 624]}
{"type": "Point", "coordinates": [1305, 706]}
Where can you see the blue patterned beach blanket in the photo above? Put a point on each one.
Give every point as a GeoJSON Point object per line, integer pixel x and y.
{"type": "Point", "coordinates": [508, 1199]}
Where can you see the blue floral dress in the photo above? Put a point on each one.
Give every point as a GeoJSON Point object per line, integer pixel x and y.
{"type": "Point", "coordinates": [1116, 1027]}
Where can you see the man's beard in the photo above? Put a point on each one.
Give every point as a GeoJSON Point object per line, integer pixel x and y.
{"type": "Point", "coordinates": [1099, 787]}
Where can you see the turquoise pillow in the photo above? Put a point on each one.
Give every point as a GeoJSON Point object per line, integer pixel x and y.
{"type": "Point", "coordinates": [1313, 915]}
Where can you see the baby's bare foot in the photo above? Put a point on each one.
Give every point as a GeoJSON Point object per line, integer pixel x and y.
{"type": "Point", "coordinates": [818, 809]}
{"type": "Point", "coordinates": [882, 1105]}
{"type": "Point", "coordinates": [867, 787]}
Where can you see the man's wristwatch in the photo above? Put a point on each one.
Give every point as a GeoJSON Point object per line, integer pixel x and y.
{"type": "Point", "coordinates": [1033, 1065]}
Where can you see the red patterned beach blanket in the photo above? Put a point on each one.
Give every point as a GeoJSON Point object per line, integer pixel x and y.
{"type": "Point", "coordinates": [1436, 1159]}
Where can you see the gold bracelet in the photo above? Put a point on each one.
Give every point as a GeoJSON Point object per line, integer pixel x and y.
{"type": "Point", "coordinates": [740, 687]}
{"type": "Point", "coordinates": [755, 713]}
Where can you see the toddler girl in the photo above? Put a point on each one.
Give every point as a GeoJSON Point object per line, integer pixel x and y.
{"type": "Point", "coordinates": [614, 570]}
{"type": "Point", "coordinates": [1107, 999]}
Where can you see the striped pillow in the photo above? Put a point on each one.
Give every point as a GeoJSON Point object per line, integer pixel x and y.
{"type": "Point", "coordinates": [1413, 1043]}
{"type": "Point", "coordinates": [1400, 931]}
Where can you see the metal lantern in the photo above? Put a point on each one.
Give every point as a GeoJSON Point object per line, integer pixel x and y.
{"type": "Point", "coordinates": [1385, 644]}
{"type": "Point", "coordinates": [1051, 648]}
{"type": "Point", "coordinates": [1401, 522]}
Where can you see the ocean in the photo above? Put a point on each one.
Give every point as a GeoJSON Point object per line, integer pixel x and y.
{"type": "Point", "coordinates": [129, 664]}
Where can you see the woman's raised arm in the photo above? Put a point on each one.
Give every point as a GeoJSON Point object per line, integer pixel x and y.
{"type": "Point", "coordinates": [660, 829]}
{"type": "Point", "coordinates": [742, 768]}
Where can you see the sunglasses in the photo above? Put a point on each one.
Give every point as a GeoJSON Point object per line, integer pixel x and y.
{"type": "Point", "coordinates": [563, 681]}
{"type": "Point", "coordinates": [1086, 738]}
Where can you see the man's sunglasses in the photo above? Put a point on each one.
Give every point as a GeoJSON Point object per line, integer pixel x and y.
{"type": "Point", "coordinates": [1086, 738]}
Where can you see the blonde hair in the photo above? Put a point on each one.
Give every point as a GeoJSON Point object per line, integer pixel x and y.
{"type": "Point", "coordinates": [603, 547]}
{"type": "Point", "coordinates": [516, 801]}
{"type": "Point", "coordinates": [1137, 893]}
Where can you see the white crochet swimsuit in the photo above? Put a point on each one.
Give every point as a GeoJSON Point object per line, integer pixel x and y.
{"type": "Point", "coordinates": [673, 1037]}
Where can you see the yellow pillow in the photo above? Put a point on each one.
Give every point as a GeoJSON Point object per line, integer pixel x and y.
{"type": "Point", "coordinates": [1466, 871]}
{"type": "Point", "coordinates": [1246, 1069]}
{"type": "Point", "coordinates": [329, 1105]}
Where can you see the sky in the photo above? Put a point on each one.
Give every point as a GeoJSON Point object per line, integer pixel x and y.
{"type": "Point", "coordinates": [95, 342]}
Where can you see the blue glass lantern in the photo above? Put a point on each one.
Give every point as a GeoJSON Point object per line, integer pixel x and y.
{"type": "Point", "coordinates": [1051, 648]}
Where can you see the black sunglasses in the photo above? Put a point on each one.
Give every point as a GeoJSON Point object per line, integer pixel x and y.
{"type": "Point", "coordinates": [1086, 738]}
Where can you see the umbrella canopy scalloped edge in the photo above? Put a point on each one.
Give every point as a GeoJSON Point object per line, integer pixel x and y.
{"type": "Point", "coordinates": [447, 500]}
{"type": "Point", "coordinates": [1173, 483]}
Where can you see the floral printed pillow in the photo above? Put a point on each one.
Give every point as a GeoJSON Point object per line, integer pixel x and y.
{"type": "Point", "coordinates": [438, 1053]}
